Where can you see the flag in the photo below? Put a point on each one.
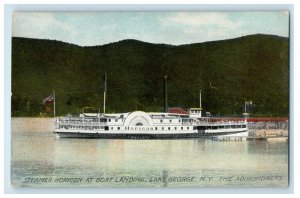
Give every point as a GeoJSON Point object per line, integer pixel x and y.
{"type": "Point", "coordinates": [48, 99]}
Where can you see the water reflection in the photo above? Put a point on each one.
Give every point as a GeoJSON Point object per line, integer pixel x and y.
{"type": "Point", "coordinates": [268, 147]}
{"type": "Point", "coordinates": [45, 155]}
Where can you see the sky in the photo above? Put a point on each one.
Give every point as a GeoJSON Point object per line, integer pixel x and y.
{"type": "Point", "coordinates": [175, 28]}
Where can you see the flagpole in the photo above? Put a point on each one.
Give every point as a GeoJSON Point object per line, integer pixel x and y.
{"type": "Point", "coordinates": [53, 103]}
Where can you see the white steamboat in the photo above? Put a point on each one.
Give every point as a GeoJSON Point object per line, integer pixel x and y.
{"type": "Point", "coordinates": [142, 125]}
{"type": "Point", "coordinates": [147, 125]}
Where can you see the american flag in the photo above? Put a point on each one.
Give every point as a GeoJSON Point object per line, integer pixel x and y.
{"type": "Point", "coordinates": [48, 99]}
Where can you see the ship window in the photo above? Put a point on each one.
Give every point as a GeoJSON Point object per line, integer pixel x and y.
{"type": "Point", "coordinates": [201, 127]}
{"type": "Point", "coordinates": [161, 121]}
{"type": "Point", "coordinates": [175, 128]}
{"type": "Point", "coordinates": [116, 120]}
{"type": "Point", "coordinates": [179, 120]}
{"type": "Point", "coordinates": [112, 128]}
{"type": "Point", "coordinates": [118, 128]}
{"type": "Point", "coordinates": [244, 126]}
{"type": "Point", "coordinates": [187, 127]}
{"type": "Point", "coordinates": [170, 120]}
{"type": "Point", "coordinates": [194, 128]}
{"type": "Point", "coordinates": [168, 128]}
{"type": "Point", "coordinates": [181, 128]}
{"type": "Point", "coordinates": [109, 120]}
{"type": "Point", "coordinates": [162, 128]}
{"type": "Point", "coordinates": [155, 128]}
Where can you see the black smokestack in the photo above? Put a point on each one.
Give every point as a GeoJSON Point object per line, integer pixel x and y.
{"type": "Point", "coordinates": [165, 94]}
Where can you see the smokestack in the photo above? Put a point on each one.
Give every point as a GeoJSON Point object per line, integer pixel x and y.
{"type": "Point", "coordinates": [165, 94]}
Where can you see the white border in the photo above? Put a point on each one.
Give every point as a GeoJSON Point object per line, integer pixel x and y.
{"type": "Point", "coordinates": [5, 116]}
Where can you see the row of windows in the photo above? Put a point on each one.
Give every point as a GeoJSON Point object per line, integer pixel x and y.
{"type": "Point", "coordinates": [119, 128]}
{"type": "Point", "coordinates": [80, 127]}
{"type": "Point", "coordinates": [179, 120]}
{"type": "Point", "coordinates": [161, 120]}
{"type": "Point", "coordinates": [221, 127]}
{"type": "Point", "coordinates": [116, 120]}
{"type": "Point", "coordinates": [153, 128]}
{"type": "Point", "coordinates": [170, 121]}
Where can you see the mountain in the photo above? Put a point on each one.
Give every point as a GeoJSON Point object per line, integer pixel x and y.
{"type": "Point", "coordinates": [252, 68]}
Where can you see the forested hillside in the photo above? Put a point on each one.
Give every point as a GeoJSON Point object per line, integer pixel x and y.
{"type": "Point", "coordinates": [252, 68]}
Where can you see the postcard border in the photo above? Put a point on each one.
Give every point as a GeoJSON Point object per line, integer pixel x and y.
{"type": "Point", "coordinates": [9, 9]}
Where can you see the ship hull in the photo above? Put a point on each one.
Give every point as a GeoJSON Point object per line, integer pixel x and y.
{"type": "Point", "coordinates": [148, 135]}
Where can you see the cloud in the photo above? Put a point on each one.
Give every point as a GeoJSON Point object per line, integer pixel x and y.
{"type": "Point", "coordinates": [44, 25]}
{"type": "Point", "coordinates": [39, 25]}
{"type": "Point", "coordinates": [203, 26]}
{"type": "Point", "coordinates": [85, 29]}
{"type": "Point", "coordinates": [218, 19]}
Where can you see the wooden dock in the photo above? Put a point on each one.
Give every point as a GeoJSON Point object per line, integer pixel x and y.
{"type": "Point", "coordinates": [263, 135]}
{"type": "Point", "coordinates": [251, 138]}
{"type": "Point", "coordinates": [258, 135]}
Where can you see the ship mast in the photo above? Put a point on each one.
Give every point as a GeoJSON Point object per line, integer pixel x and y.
{"type": "Point", "coordinates": [200, 104]}
{"type": "Point", "coordinates": [104, 94]}
{"type": "Point", "coordinates": [165, 94]}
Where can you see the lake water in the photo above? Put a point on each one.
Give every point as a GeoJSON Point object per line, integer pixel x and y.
{"type": "Point", "coordinates": [39, 159]}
